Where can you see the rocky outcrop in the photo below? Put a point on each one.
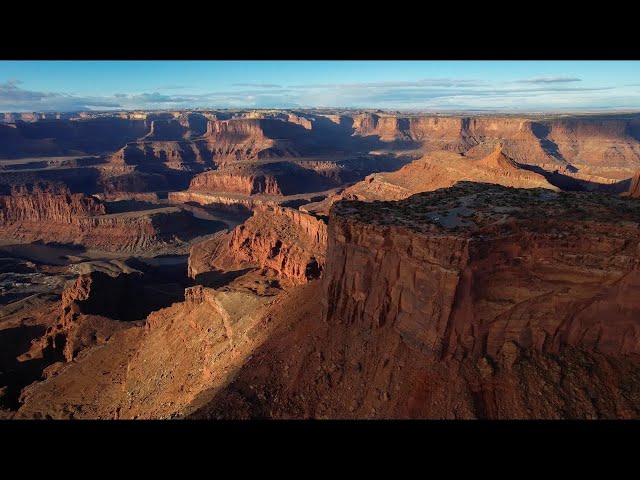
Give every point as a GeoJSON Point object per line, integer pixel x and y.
{"type": "Point", "coordinates": [97, 304]}
{"type": "Point", "coordinates": [71, 334]}
{"type": "Point", "coordinates": [634, 188]}
{"type": "Point", "coordinates": [608, 142]}
{"type": "Point", "coordinates": [235, 182]}
{"type": "Point", "coordinates": [479, 270]}
{"type": "Point", "coordinates": [135, 372]}
{"type": "Point", "coordinates": [444, 169]}
{"type": "Point", "coordinates": [232, 202]}
{"type": "Point", "coordinates": [246, 139]}
{"type": "Point", "coordinates": [287, 241]}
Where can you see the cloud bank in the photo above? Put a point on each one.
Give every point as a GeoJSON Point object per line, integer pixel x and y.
{"type": "Point", "coordinates": [439, 94]}
{"type": "Point", "coordinates": [550, 80]}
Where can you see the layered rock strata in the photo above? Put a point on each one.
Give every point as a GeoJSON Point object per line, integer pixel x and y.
{"type": "Point", "coordinates": [476, 270]}
{"type": "Point", "coordinates": [31, 213]}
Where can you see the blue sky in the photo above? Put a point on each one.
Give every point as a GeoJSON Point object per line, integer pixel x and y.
{"type": "Point", "coordinates": [418, 85]}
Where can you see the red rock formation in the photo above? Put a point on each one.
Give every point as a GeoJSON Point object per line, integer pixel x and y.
{"type": "Point", "coordinates": [37, 204]}
{"type": "Point", "coordinates": [246, 139]}
{"type": "Point", "coordinates": [290, 242]}
{"type": "Point", "coordinates": [273, 178]}
{"type": "Point", "coordinates": [29, 214]}
{"type": "Point", "coordinates": [550, 143]}
{"type": "Point", "coordinates": [477, 269]}
{"type": "Point", "coordinates": [133, 182]}
{"type": "Point", "coordinates": [604, 142]}
{"type": "Point", "coordinates": [441, 170]}
{"type": "Point", "coordinates": [135, 373]}
{"type": "Point", "coordinates": [234, 182]}
{"type": "Point", "coordinates": [175, 155]}
{"type": "Point", "coordinates": [634, 188]}
{"type": "Point", "coordinates": [97, 305]}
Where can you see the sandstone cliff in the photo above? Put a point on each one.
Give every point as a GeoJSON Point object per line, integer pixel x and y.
{"type": "Point", "coordinates": [30, 214]}
{"type": "Point", "coordinates": [175, 155]}
{"type": "Point", "coordinates": [273, 178]}
{"type": "Point", "coordinates": [479, 270]}
{"type": "Point", "coordinates": [586, 142]}
{"type": "Point", "coordinates": [42, 203]}
{"type": "Point", "coordinates": [287, 241]}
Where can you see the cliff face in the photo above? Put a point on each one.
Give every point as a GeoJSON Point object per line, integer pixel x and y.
{"type": "Point", "coordinates": [31, 214]}
{"type": "Point", "coordinates": [71, 333]}
{"type": "Point", "coordinates": [246, 139]}
{"type": "Point", "coordinates": [134, 182]}
{"type": "Point", "coordinates": [273, 178]}
{"type": "Point", "coordinates": [608, 143]}
{"type": "Point", "coordinates": [287, 241]}
{"type": "Point", "coordinates": [96, 305]}
{"type": "Point", "coordinates": [598, 146]}
{"type": "Point", "coordinates": [37, 204]}
{"type": "Point", "coordinates": [634, 188]}
{"type": "Point", "coordinates": [93, 136]}
{"type": "Point", "coordinates": [161, 154]}
{"type": "Point", "coordinates": [474, 271]}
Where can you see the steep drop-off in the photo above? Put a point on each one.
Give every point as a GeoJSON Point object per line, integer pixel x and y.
{"type": "Point", "coordinates": [475, 270]}
{"type": "Point", "coordinates": [274, 178]}
{"type": "Point", "coordinates": [30, 214]}
{"type": "Point", "coordinates": [287, 241]}
{"type": "Point", "coordinates": [634, 188]}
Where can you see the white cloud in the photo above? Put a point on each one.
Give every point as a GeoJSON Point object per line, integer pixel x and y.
{"type": "Point", "coordinates": [440, 93]}
{"type": "Point", "coordinates": [550, 80]}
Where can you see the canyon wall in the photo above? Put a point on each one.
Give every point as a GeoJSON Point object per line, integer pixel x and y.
{"type": "Point", "coordinates": [477, 270]}
{"type": "Point", "coordinates": [46, 203]}
{"type": "Point", "coordinates": [92, 136]}
{"type": "Point", "coordinates": [32, 212]}
{"type": "Point", "coordinates": [273, 178]}
{"type": "Point", "coordinates": [611, 143]}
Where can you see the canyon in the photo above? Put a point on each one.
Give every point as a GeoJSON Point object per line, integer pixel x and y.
{"type": "Point", "coordinates": [329, 264]}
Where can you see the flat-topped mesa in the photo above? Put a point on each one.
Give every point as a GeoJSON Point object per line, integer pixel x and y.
{"type": "Point", "coordinates": [443, 169]}
{"type": "Point", "coordinates": [484, 270]}
{"type": "Point", "coordinates": [30, 214]}
{"type": "Point", "coordinates": [235, 182]}
{"type": "Point", "coordinates": [41, 202]}
{"type": "Point", "coordinates": [287, 241]}
{"type": "Point", "coordinates": [179, 155]}
{"type": "Point", "coordinates": [247, 139]}
{"type": "Point", "coordinates": [275, 178]}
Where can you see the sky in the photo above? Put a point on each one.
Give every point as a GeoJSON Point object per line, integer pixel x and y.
{"type": "Point", "coordinates": [393, 85]}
